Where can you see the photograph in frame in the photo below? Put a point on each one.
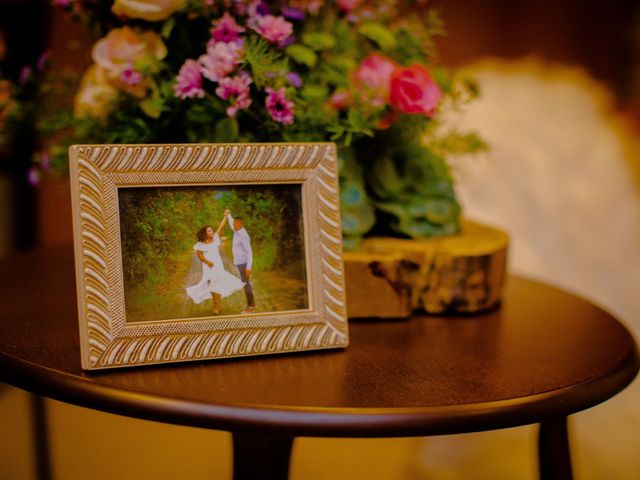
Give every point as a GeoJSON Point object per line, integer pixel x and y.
{"type": "Point", "coordinates": [192, 252]}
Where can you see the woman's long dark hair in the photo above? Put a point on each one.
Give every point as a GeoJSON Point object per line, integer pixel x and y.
{"type": "Point", "coordinates": [202, 233]}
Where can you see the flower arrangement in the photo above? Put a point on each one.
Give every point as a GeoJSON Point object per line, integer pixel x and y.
{"type": "Point", "coordinates": [356, 72]}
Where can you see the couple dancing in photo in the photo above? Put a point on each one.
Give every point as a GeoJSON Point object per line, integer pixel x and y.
{"type": "Point", "coordinates": [216, 282]}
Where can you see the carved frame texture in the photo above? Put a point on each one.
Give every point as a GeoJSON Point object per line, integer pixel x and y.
{"type": "Point", "coordinates": [107, 340]}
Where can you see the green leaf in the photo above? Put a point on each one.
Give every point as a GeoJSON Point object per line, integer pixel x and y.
{"type": "Point", "coordinates": [263, 60]}
{"type": "Point", "coordinates": [319, 40]}
{"type": "Point", "coordinates": [314, 92]}
{"type": "Point", "coordinates": [151, 108]}
{"type": "Point", "coordinates": [226, 130]}
{"type": "Point", "coordinates": [303, 55]}
{"type": "Point", "coordinates": [456, 143]}
{"type": "Point", "coordinates": [442, 77]}
{"type": "Point", "coordinates": [198, 113]}
{"type": "Point", "coordinates": [344, 63]}
{"type": "Point", "coordinates": [379, 34]}
{"type": "Point", "coordinates": [384, 180]}
{"type": "Point", "coordinates": [437, 216]}
{"type": "Point", "coordinates": [153, 105]}
{"type": "Point", "coordinates": [358, 214]}
{"type": "Point", "coordinates": [167, 27]}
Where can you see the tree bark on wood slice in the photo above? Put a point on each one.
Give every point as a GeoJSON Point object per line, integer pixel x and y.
{"type": "Point", "coordinates": [378, 285]}
{"type": "Point", "coordinates": [461, 273]}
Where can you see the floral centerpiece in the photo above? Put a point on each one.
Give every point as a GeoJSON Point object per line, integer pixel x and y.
{"type": "Point", "coordinates": [356, 72]}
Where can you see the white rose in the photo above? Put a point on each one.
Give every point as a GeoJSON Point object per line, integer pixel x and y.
{"type": "Point", "coordinates": [151, 10]}
{"type": "Point", "coordinates": [96, 96]}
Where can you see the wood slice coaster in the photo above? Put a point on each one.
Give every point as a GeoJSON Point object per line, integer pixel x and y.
{"type": "Point", "coordinates": [378, 285]}
{"type": "Point", "coordinates": [461, 273]}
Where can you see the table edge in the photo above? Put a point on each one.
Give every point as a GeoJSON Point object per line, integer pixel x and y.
{"type": "Point", "coordinates": [323, 421]}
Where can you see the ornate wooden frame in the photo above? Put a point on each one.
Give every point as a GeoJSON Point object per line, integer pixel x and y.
{"type": "Point", "coordinates": [107, 340]}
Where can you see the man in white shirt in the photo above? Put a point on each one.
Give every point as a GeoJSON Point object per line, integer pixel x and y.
{"type": "Point", "coordinates": [242, 257]}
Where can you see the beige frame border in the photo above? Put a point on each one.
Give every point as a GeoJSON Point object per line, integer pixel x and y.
{"type": "Point", "coordinates": [96, 173]}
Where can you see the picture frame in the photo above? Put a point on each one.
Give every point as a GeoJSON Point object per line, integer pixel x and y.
{"type": "Point", "coordinates": [137, 209]}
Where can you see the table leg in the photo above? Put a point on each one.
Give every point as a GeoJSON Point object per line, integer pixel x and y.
{"type": "Point", "coordinates": [41, 437]}
{"type": "Point", "coordinates": [264, 457]}
{"type": "Point", "coordinates": [554, 455]}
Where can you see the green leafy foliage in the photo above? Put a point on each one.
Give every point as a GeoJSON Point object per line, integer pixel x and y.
{"type": "Point", "coordinates": [380, 34]}
{"type": "Point", "coordinates": [358, 213]}
{"type": "Point", "coordinates": [410, 185]}
{"type": "Point", "coordinates": [456, 143]}
{"type": "Point", "coordinates": [319, 40]}
{"type": "Point", "coordinates": [263, 61]}
{"type": "Point", "coordinates": [227, 130]}
{"type": "Point", "coordinates": [302, 55]}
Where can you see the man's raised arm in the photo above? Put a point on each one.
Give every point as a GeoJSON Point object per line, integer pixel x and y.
{"type": "Point", "coordinates": [229, 218]}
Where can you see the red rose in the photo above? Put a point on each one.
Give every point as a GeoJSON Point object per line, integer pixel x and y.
{"type": "Point", "coordinates": [413, 90]}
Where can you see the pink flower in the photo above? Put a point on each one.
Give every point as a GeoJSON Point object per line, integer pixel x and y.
{"type": "Point", "coordinates": [189, 81]}
{"type": "Point", "coordinates": [279, 106]}
{"type": "Point", "coordinates": [220, 60]}
{"type": "Point", "coordinates": [348, 5]}
{"type": "Point", "coordinates": [413, 90]}
{"type": "Point", "coordinates": [274, 29]}
{"type": "Point", "coordinates": [236, 89]}
{"type": "Point", "coordinates": [130, 76]}
{"type": "Point", "coordinates": [43, 60]}
{"type": "Point", "coordinates": [125, 46]}
{"type": "Point", "coordinates": [340, 100]}
{"type": "Point", "coordinates": [124, 49]}
{"type": "Point", "coordinates": [33, 176]}
{"type": "Point", "coordinates": [311, 6]}
{"type": "Point", "coordinates": [26, 72]}
{"type": "Point", "coordinates": [374, 74]}
{"type": "Point", "coordinates": [226, 29]}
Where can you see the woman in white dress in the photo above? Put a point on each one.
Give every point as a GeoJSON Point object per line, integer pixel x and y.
{"type": "Point", "coordinates": [216, 282]}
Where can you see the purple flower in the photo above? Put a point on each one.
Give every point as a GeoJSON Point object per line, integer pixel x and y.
{"type": "Point", "coordinates": [279, 106]}
{"type": "Point", "coordinates": [262, 8]}
{"type": "Point", "coordinates": [289, 41]}
{"type": "Point", "coordinates": [33, 176]}
{"type": "Point", "coordinates": [254, 11]}
{"type": "Point", "coordinates": [237, 89]}
{"type": "Point", "coordinates": [274, 29]}
{"type": "Point", "coordinates": [220, 60]}
{"type": "Point", "coordinates": [131, 76]}
{"type": "Point", "coordinates": [226, 29]}
{"type": "Point", "coordinates": [25, 74]}
{"type": "Point", "coordinates": [189, 81]}
{"type": "Point", "coordinates": [240, 6]}
{"type": "Point", "coordinates": [62, 3]}
{"type": "Point", "coordinates": [42, 60]}
{"type": "Point", "coordinates": [292, 13]}
{"type": "Point", "coordinates": [294, 79]}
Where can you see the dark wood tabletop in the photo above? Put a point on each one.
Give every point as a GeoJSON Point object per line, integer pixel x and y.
{"type": "Point", "coordinates": [543, 353]}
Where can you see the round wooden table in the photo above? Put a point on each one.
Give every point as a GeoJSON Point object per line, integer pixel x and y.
{"type": "Point", "coordinates": [544, 354]}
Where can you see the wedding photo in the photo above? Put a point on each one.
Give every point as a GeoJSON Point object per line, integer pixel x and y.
{"type": "Point", "coordinates": [201, 252]}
